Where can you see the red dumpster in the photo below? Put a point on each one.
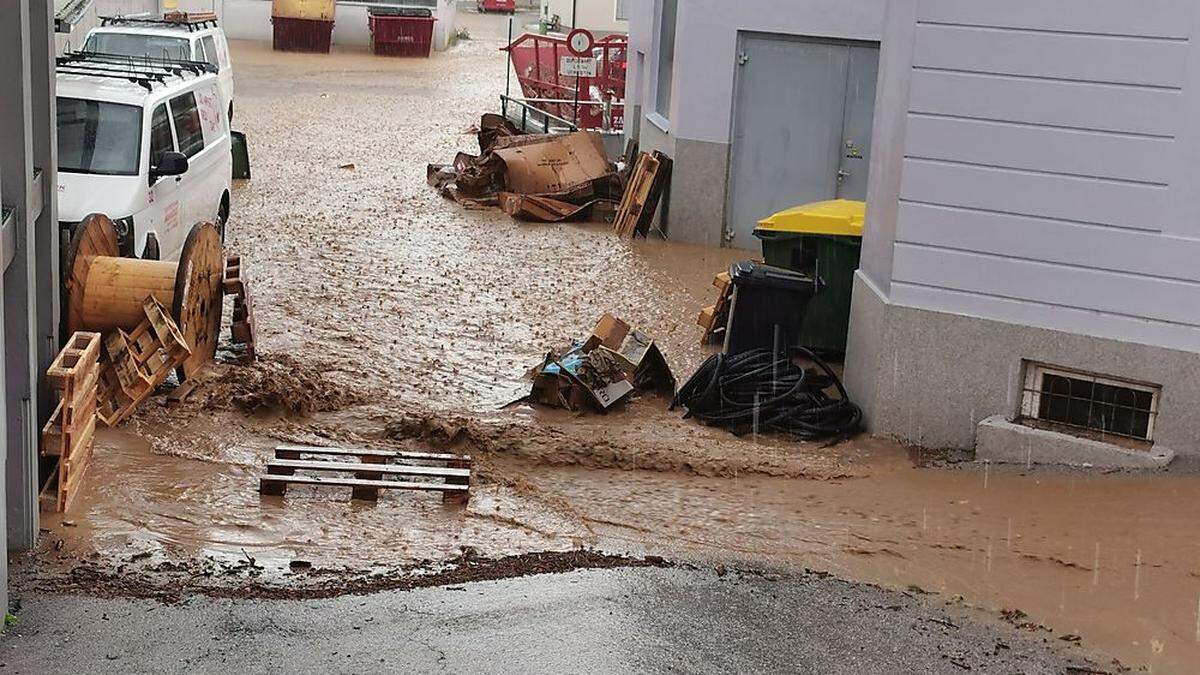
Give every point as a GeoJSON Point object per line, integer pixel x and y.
{"type": "Point", "coordinates": [401, 31]}
{"type": "Point", "coordinates": [301, 35]}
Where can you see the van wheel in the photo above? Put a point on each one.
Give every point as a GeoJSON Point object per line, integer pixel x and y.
{"type": "Point", "coordinates": [151, 251]}
{"type": "Point", "coordinates": [223, 215]}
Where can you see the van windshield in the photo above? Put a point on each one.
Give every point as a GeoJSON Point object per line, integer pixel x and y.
{"type": "Point", "coordinates": [98, 137]}
{"type": "Point", "coordinates": [137, 44]}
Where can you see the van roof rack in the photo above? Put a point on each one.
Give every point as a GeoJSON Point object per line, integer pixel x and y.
{"type": "Point", "coordinates": [145, 71]}
{"type": "Point", "coordinates": [193, 21]}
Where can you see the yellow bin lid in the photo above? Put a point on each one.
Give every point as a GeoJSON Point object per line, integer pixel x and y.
{"type": "Point", "coordinates": [841, 217]}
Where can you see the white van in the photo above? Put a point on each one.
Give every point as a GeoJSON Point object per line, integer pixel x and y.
{"type": "Point", "coordinates": [145, 143]}
{"type": "Point", "coordinates": [173, 36]}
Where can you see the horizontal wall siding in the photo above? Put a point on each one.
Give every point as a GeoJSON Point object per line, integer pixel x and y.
{"type": "Point", "coordinates": [1113, 203]}
{"type": "Point", "coordinates": [1089, 58]}
{"type": "Point", "coordinates": [1079, 105]}
{"type": "Point", "coordinates": [1145, 18]}
{"type": "Point", "coordinates": [1042, 145]}
{"type": "Point", "coordinates": [1021, 146]}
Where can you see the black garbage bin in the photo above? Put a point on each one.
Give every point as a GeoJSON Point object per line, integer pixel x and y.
{"type": "Point", "coordinates": [768, 307]}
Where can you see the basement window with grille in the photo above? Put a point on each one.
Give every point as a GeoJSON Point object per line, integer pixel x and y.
{"type": "Point", "coordinates": [1090, 403]}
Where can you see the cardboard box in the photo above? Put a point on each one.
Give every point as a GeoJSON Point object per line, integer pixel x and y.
{"type": "Point", "coordinates": [556, 165]}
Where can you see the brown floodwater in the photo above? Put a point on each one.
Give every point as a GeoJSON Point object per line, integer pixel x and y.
{"type": "Point", "coordinates": [408, 321]}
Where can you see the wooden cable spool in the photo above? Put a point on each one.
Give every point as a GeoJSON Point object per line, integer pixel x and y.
{"type": "Point", "coordinates": [103, 291]}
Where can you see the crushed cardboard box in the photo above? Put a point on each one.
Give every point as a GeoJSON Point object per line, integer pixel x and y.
{"type": "Point", "coordinates": [605, 369]}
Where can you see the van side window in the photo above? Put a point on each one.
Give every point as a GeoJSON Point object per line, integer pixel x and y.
{"type": "Point", "coordinates": [160, 134]}
{"type": "Point", "coordinates": [197, 51]}
{"type": "Point", "coordinates": [223, 51]}
{"type": "Point", "coordinates": [210, 50]}
{"type": "Point", "coordinates": [187, 124]}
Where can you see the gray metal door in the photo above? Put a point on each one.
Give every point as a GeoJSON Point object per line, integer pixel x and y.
{"type": "Point", "coordinates": [801, 127]}
{"type": "Point", "coordinates": [862, 72]}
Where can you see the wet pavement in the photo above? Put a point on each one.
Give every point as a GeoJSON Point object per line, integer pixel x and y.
{"type": "Point", "coordinates": [594, 621]}
{"type": "Point", "coordinates": [393, 318]}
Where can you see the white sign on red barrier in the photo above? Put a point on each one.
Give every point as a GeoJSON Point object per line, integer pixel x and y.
{"type": "Point", "coordinates": [577, 66]}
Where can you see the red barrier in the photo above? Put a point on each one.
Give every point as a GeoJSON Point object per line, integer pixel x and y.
{"type": "Point", "coordinates": [535, 58]}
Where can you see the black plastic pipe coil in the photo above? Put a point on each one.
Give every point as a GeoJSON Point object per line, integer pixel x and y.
{"type": "Point", "coordinates": [765, 391]}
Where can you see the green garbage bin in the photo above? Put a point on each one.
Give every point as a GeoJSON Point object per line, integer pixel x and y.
{"type": "Point", "coordinates": [822, 240]}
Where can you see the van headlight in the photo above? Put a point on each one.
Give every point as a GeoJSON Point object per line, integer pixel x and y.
{"type": "Point", "coordinates": [124, 228]}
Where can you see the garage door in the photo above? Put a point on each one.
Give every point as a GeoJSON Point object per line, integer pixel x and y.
{"type": "Point", "coordinates": [802, 117]}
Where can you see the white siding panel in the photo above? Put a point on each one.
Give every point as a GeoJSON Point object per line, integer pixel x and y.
{"type": "Point", "coordinates": [1128, 295]}
{"type": "Point", "coordinates": [1047, 102]}
{"type": "Point", "coordinates": [1148, 18]}
{"type": "Point", "coordinates": [1161, 334]}
{"type": "Point", "coordinates": [1052, 55]}
{"type": "Point", "coordinates": [1078, 199]}
{"type": "Point", "coordinates": [1083, 153]}
{"type": "Point", "coordinates": [1053, 241]}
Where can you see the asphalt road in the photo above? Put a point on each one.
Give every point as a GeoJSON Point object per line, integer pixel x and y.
{"type": "Point", "coordinates": [596, 621]}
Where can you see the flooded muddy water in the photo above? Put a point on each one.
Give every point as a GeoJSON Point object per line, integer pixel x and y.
{"type": "Point", "coordinates": [393, 318]}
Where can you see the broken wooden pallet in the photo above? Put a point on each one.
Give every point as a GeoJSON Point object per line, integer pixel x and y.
{"type": "Point", "coordinates": [714, 317]}
{"type": "Point", "coordinates": [371, 473]}
{"type": "Point", "coordinates": [640, 200]}
{"type": "Point", "coordinates": [136, 363]}
{"type": "Point", "coordinates": [69, 435]}
{"type": "Point", "coordinates": [242, 329]}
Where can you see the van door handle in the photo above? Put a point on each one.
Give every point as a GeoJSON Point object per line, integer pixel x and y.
{"type": "Point", "coordinates": [178, 178]}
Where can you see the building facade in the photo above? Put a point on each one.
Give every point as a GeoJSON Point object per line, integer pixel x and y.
{"type": "Point", "coordinates": [755, 101]}
{"type": "Point", "coordinates": [1032, 224]}
{"type": "Point", "coordinates": [29, 243]}
{"type": "Point", "coordinates": [602, 17]}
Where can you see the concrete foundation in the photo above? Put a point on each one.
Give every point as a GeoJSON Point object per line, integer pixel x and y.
{"type": "Point", "coordinates": [698, 193]}
{"type": "Point", "coordinates": [999, 440]}
{"type": "Point", "coordinates": [929, 378]}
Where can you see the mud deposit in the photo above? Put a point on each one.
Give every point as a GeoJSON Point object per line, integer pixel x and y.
{"type": "Point", "coordinates": [392, 318]}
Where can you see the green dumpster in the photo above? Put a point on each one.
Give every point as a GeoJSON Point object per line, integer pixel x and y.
{"type": "Point", "coordinates": [822, 240]}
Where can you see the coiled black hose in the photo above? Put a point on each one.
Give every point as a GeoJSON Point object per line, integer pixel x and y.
{"type": "Point", "coordinates": [765, 391]}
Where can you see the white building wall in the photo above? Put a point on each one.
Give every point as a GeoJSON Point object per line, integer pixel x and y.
{"type": "Point", "coordinates": [696, 132]}
{"type": "Point", "coordinates": [706, 50]}
{"type": "Point", "coordinates": [598, 16]}
{"type": "Point", "coordinates": [1039, 164]}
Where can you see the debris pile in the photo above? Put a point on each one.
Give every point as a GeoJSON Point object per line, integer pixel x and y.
{"type": "Point", "coordinates": [537, 177]}
{"type": "Point", "coordinates": [761, 391]}
{"type": "Point", "coordinates": [603, 370]}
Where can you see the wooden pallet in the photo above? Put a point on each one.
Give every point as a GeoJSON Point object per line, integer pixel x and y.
{"type": "Point", "coordinates": [136, 363]}
{"type": "Point", "coordinates": [70, 433]}
{"type": "Point", "coordinates": [637, 196]}
{"type": "Point", "coordinates": [242, 329]}
{"type": "Point", "coordinates": [373, 471]}
{"type": "Point", "coordinates": [714, 317]}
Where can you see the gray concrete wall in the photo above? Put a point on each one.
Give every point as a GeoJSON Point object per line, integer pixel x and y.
{"type": "Point", "coordinates": [28, 257]}
{"type": "Point", "coordinates": [928, 377]}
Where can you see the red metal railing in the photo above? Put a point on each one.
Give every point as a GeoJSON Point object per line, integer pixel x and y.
{"type": "Point", "coordinates": [535, 59]}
